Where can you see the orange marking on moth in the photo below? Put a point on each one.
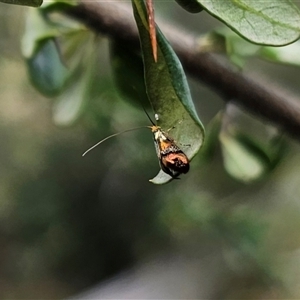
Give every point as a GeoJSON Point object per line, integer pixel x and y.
{"type": "Point", "coordinates": [164, 145]}
{"type": "Point", "coordinates": [172, 157]}
{"type": "Point", "coordinates": [176, 161]}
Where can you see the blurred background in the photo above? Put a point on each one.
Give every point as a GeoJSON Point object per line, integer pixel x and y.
{"type": "Point", "coordinates": [94, 227]}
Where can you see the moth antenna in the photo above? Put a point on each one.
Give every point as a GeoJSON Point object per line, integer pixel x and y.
{"type": "Point", "coordinates": [146, 112]}
{"type": "Point", "coordinates": [110, 136]}
{"type": "Point", "coordinates": [148, 116]}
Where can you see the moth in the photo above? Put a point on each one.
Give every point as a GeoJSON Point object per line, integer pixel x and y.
{"type": "Point", "coordinates": [172, 159]}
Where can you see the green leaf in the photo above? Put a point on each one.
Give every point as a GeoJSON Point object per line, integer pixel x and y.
{"type": "Point", "coordinates": [212, 137]}
{"type": "Point", "coordinates": [240, 161]}
{"type": "Point", "coordinates": [37, 30]}
{"type": "Point", "coordinates": [168, 92]}
{"type": "Point", "coordinates": [128, 70]}
{"type": "Point", "coordinates": [57, 5]}
{"type": "Point", "coordinates": [286, 55]}
{"type": "Point", "coordinates": [39, 27]}
{"type": "Point", "coordinates": [237, 48]}
{"type": "Point", "coordinates": [250, 149]}
{"type": "Point", "coordinates": [34, 3]}
{"type": "Point", "coordinates": [46, 70]}
{"type": "Point", "coordinates": [274, 23]}
{"type": "Point", "coordinates": [70, 105]}
{"type": "Point", "coordinates": [191, 6]}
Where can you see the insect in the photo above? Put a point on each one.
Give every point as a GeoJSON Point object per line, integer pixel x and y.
{"type": "Point", "coordinates": [172, 159]}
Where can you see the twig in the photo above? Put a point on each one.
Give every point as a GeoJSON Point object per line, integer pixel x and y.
{"type": "Point", "coordinates": [115, 20]}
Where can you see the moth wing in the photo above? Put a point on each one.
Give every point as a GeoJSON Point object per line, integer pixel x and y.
{"type": "Point", "coordinates": [157, 149]}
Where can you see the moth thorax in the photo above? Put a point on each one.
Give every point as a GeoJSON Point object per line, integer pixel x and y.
{"type": "Point", "coordinates": [159, 135]}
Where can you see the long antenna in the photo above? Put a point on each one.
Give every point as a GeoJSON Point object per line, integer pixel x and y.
{"type": "Point", "coordinates": [145, 109]}
{"type": "Point", "coordinates": [148, 115]}
{"type": "Point", "coordinates": [115, 134]}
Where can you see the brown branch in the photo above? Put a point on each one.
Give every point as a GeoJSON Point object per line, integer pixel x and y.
{"type": "Point", "coordinates": [115, 20]}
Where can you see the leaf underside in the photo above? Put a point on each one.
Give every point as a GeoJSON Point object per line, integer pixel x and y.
{"type": "Point", "coordinates": [274, 23]}
{"type": "Point", "coordinates": [34, 3]}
